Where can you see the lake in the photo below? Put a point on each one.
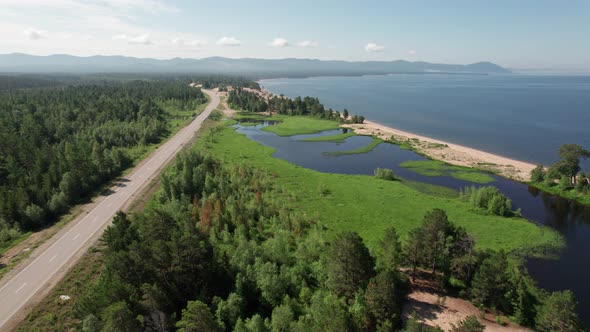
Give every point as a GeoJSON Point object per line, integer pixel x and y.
{"type": "Point", "coordinates": [524, 117]}
{"type": "Point", "coordinates": [571, 219]}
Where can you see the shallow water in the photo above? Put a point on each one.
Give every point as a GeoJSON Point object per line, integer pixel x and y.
{"type": "Point", "coordinates": [571, 219]}
{"type": "Point", "coordinates": [524, 117]}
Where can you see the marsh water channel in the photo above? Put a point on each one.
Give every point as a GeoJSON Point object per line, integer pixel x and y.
{"type": "Point", "coordinates": [570, 271]}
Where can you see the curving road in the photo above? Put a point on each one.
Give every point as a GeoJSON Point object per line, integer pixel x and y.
{"type": "Point", "coordinates": [20, 288]}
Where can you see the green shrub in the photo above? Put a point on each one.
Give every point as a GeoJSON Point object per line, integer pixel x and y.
{"type": "Point", "coordinates": [215, 115]}
{"type": "Point", "coordinates": [564, 182]}
{"type": "Point", "coordinates": [488, 199]}
{"type": "Point", "coordinates": [324, 190]}
{"type": "Point", "coordinates": [501, 321]}
{"type": "Point", "coordinates": [581, 185]}
{"type": "Point", "coordinates": [469, 324]}
{"type": "Point", "coordinates": [538, 174]}
{"type": "Point", "coordinates": [35, 215]}
{"type": "Point", "coordinates": [385, 174]}
{"type": "Point", "coordinates": [7, 233]}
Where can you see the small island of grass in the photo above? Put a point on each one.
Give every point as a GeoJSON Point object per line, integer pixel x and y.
{"type": "Point", "coordinates": [340, 138]}
{"type": "Point", "coordinates": [438, 168]}
{"type": "Point", "coordinates": [367, 148]}
{"type": "Point", "coordinates": [299, 125]}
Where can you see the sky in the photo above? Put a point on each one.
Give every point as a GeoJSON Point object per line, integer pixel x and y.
{"type": "Point", "coordinates": [519, 34]}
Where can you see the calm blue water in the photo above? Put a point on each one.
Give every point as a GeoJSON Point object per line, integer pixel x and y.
{"type": "Point", "coordinates": [524, 117]}
{"type": "Point", "coordinates": [569, 218]}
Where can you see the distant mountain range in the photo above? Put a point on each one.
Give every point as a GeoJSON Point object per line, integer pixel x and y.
{"type": "Point", "coordinates": [59, 63]}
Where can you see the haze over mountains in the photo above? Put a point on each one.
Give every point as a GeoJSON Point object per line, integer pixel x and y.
{"type": "Point", "coordinates": [60, 63]}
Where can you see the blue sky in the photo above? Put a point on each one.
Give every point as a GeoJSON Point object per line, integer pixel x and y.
{"type": "Point", "coordinates": [512, 33]}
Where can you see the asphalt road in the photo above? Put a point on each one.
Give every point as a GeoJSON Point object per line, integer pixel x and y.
{"type": "Point", "coordinates": [21, 288]}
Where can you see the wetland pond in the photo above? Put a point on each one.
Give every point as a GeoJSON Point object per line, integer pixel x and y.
{"type": "Point", "coordinates": [572, 220]}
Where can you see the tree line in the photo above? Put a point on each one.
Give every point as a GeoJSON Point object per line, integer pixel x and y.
{"type": "Point", "coordinates": [8, 82]}
{"type": "Point", "coordinates": [26, 81]}
{"type": "Point", "coordinates": [246, 100]}
{"type": "Point", "coordinates": [566, 173]}
{"type": "Point", "coordinates": [59, 144]}
{"type": "Point", "coordinates": [218, 250]}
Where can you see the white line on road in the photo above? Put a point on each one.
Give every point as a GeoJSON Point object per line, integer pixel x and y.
{"type": "Point", "coordinates": [52, 258]}
{"type": "Point", "coordinates": [39, 272]}
{"type": "Point", "coordinates": [21, 287]}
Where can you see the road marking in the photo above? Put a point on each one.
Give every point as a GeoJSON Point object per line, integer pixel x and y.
{"type": "Point", "coordinates": [75, 237]}
{"type": "Point", "coordinates": [18, 300]}
{"type": "Point", "coordinates": [52, 258]}
{"type": "Point", "coordinates": [21, 287]}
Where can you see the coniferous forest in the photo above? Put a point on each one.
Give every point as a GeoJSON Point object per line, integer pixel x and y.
{"type": "Point", "coordinates": [311, 106]}
{"type": "Point", "coordinates": [220, 246]}
{"type": "Point", "coordinates": [219, 249]}
{"type": "Point", "coordinates": [60, 143]}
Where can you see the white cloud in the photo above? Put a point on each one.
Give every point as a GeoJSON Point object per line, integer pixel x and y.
{"type": "Point", "coordinates": [193, 42]}
{"type": "Point", "coordinates": [135, 40]}
{"type": "Point", "coordinates": [279, 42]}
{"type": "Point", "coordinates": [307, 43]}
{"type": "Point", "coordinates": [228, 41]}
{"type": "Point", "coordinates": [35, 34]}
{"type": "Point", "coordinates": [372, 47]}
{"type": "Point", "coordinates": [412, 52]}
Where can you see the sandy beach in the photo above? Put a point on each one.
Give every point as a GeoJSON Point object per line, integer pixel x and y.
{"type": "Point", "coordinates": [451, 153]}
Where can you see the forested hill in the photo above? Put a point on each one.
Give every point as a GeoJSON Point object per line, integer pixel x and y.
{"type": "Point", "coordinates": [258, 68]}
{"type": "Point", "coordinates": [59, 144]}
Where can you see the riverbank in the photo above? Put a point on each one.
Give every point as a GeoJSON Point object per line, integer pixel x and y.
{"type": "Point", "coordinates": [450, 153]}
{"type": "Point", "coordinates": [345, 202]}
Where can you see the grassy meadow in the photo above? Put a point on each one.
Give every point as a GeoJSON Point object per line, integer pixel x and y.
{"type": "Point", "coordinates": [299, 125]}
{"type": "Point", "coordinates": [340, 138]}
{"type": "Point", "coordinates": [367, 148]}
{"type": "Point", "coordinates": [366, 204]}
{"type": "Point", "coordinates": [438, 168]}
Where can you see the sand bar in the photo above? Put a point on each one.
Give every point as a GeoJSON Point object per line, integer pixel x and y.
{"type": "Point", "coordinates": [451, 153]}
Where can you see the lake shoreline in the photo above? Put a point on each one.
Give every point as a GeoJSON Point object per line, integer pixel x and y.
{"type": "Point", "coordinates": [447, 152]}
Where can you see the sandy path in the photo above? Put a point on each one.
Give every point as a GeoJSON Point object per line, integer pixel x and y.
{"type": "Point", "coordinates": [444, 312]}
{"type": "Point", "coordinates": [434, 307]}
{"type": "Point", "coordinates": [224, 107]}
{"type": "Point", "coordinates": [449, 152]}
